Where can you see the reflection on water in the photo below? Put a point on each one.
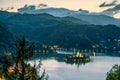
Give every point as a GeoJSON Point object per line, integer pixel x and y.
{"type": "Point", "coordinates": [57, 69]}
{"type": "Point", "coordinates": [61, 58]}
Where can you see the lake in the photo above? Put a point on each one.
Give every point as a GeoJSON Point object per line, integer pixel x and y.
{"type": "Point", "coordinates": [94, 70]}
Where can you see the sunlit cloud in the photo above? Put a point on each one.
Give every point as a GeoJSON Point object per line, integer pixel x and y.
{"type": "Point", "coordinates": [112, 11]}
{"type": "Point", "coordinates": [7, 9]}
{"type": "Point", "coordinates": [2, 9]}
{"type": "Point", "coordinates": [42, 5]}
{"type": "Point", "coordinates": [116, 8]}
{"type": "Point", "coordinates": [27, 8]}
{"type": "Point", "coordinates": [10, 8]}
{"type": "Point", "coordinates": [82, 11]}
{"type": "Point", "coordinates": [105, 4]}
{"type": "Point", "coordinates": [117, 15]}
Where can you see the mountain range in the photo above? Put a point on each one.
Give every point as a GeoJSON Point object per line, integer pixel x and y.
{"type": "Point", "coordinates": [92, 18]}
{"type": "Point", "coordinates": [67, 32]}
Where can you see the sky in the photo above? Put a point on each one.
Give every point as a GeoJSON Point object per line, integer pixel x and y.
{"type": "Point", "coordinates": [90, 5]}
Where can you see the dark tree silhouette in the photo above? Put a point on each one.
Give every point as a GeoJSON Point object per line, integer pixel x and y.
{"type": "Point", "coordinates": [20, 69]}
{"type": "Point", "coordinates": [114, 73]}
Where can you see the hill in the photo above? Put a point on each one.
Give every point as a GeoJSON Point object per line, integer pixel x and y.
{"type": "Point", "coordinates": [6, 37]}
{"type": "Point", "coordinates": [67, 32]}
{"type": "Point", "coordinates": [92, 18]}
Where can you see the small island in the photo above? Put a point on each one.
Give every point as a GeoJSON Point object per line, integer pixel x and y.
{"type": "Point", "coordinates": [78, 57]}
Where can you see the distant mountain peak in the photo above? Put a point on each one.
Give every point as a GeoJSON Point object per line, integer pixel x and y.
{"type": "Point", "coordinates": [84, 15]}
{"type": "Point", "coordinates": [81, 16]}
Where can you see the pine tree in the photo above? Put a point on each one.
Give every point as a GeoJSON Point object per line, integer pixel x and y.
{"type": "Point", "coordinates": [20, 69]}
{"type": "Point", "coordinates": [114, 73]}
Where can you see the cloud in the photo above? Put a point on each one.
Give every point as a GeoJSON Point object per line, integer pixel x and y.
{"type": "Point", "coordinates": [2, 9]}
{"type": "Point", "coordinates": [27, 8]}
{"type": "Point", "coordinates": [10, 8]}
{"type": "Point", "coordinates": [105, 4]}
{"type": "Point", "coordinates": [83, 11]}
{"type": "Point", "coordinates": [42, 5]}
{"type": "Point", "coordinates": [116, 8]}
{"type": "Point", "coordinates": [7, 9]}
{"type": "Point", "coordinates": [112, 11]}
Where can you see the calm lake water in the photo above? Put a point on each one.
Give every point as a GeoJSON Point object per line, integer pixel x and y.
{"type": "Point", "coordinates": [94, 70]}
